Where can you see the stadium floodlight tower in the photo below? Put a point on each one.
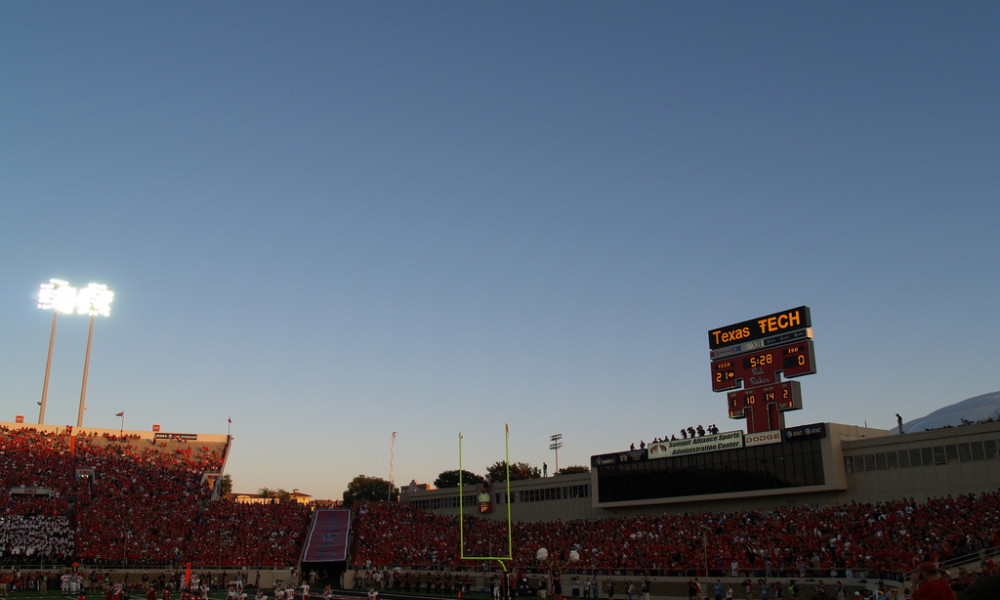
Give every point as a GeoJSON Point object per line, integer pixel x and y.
{"type": "Point", "coordinates": [59, 297]}
{"type": "Point", "coordinates": [556, 445]}
{"type": "Point", "coordinates": [93, 300]}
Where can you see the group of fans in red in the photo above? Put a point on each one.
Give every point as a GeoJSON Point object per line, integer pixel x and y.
{"type": "Point", "coordinates": [137, 502]}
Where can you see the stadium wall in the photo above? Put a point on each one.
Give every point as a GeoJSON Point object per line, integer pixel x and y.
{"type": "Point", "coordinates": [928, 464]}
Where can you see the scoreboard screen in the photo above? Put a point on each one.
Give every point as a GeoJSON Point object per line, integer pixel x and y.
{"type": "Point", "coordinates": [793, 360]}
{"type": "Point", "coordinates": [763, 327]}
{"type": "Point", "coordinates": [761, 368]}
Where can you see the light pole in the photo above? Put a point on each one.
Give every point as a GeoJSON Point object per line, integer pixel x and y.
{"type": "Point", "coordinates": [392, 453]}
{"type": "Point", "coordinates": [57, 296]}
{"type": "Point", "coordinates": [556, 445]}
{"type": "Point", "coordinates": [93, 300]}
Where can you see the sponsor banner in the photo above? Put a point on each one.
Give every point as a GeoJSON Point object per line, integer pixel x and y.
{"type": "Point", "coordinates": [784, 338]}
{"type": "Point", "coordinates": [23, 490]}
{"type": "Point", "coordinates": [816, 430]}
{"type": "Point", "coordinates": [707, 443]}
{"type": "Point", "coordinates": [617, 458]}
{"type": "Point", "coordinates": [178, 437]}
{"type": "Point", "coordinates": [327, 538]}
{"type": "Point", "coordinates": [762, 437]}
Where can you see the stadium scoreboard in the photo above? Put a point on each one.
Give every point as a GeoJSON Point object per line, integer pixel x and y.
{"type": "Point", "coordinates": [754, 355]}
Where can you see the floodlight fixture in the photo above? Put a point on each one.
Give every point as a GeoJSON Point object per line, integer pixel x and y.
{"type": "Point", "coordinates": [93, 300]}
{"type": "Point", "coordinates": [59, 297]}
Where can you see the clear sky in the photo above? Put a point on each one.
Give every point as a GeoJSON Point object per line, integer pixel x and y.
{"type": "Point", "coordinates": [331, 221]}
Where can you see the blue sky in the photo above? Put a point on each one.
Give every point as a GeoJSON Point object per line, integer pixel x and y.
{"type": "Point", "coordinates": [331, 221]}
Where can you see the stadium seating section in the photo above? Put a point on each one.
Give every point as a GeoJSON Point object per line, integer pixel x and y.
{"type": "Point", "coordinates": [855, 540]}
{"type": "Point", "coordinates": [145, 504]}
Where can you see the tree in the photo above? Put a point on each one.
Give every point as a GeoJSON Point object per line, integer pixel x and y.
{"type": "Point", "coordinates": [518, 471]}
{"type": "Point", "coordinates": [369, 489]}
{"type": "Point", "coordinates": [272, 496]}
{"type": "Point", "coordinates": [573, 469]}
{"type": "Point", "coordinates": [449, 479]}
{"type": "Point", "coordinates": [225, 485]}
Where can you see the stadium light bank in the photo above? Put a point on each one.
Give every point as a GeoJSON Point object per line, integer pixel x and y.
{"type": "Point", "coordinates": [93, 300]}
{"type": "Point", "coordinates": [60, 297]}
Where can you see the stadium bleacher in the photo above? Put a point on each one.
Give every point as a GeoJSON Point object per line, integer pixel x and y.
{"type": "Point", "coordinates": [128, 501]}
{"type": "Point", "coordinates": [104, 499]}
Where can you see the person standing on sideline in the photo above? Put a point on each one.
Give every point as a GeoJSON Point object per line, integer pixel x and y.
{"type": "Point", "coordinates": [930, 585]}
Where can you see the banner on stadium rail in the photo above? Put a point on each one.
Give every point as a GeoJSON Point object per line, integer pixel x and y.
{"type": "Point", "coordinates": [803, 432]}
{"type": "Point", "coordinates": [695, 445]}
{"type": "Point", "coordinates": [177, 437]}
{"type": "Point", "coordinates": [327, 538]}
{"type": "Point", "coordinates": [618, 458]}
{"type": "Point", "coordinates": [24, 490]}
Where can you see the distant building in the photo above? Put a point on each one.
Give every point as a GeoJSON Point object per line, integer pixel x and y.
{"type": "Point", "coordinates": [416, 487]}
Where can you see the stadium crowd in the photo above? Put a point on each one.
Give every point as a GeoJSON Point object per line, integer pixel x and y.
{"type": "Point", "coordinates": [122, 500]}
{"type": "Point", "coordinates": [106, 500]}
{"type": "Point", "coordinates": [851, 540]}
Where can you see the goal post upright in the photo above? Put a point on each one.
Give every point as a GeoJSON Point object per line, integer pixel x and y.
{"type": "Point", "coordinates": [461, 506]}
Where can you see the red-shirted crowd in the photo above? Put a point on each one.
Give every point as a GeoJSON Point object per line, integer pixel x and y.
{"type": "Point", "coordinates": [852, 540]}
{"type": "Point", "coordinates": [108, 500]}
{"type": "Point", "coordinates": [128, 501]}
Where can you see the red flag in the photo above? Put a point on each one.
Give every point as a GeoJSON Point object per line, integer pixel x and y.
{"type": "Point", "coordinates": [121, 414]}
{"type": "Point", "coordinates": [230, 419]}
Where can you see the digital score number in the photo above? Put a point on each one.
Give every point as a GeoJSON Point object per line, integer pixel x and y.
{"type": "Point", "coordinates": [724, 376]}
{"type": "Point", "coordinates": [783, 396]}
{"type": "Point", "coordinates": [797, 359]}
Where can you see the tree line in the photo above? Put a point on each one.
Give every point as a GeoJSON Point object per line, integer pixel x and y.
{"type": "Point", "coordinates": [365, 488]}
